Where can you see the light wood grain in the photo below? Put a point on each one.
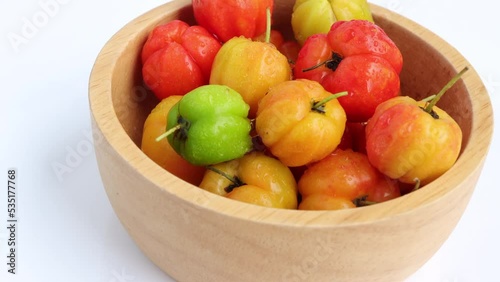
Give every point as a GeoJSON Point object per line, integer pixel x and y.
{"type": "Point", "coordinates": [197, 236]}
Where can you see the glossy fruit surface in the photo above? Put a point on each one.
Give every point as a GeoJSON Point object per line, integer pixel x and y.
{"type": "Point", "coordinates": [295, 126]}
{"type": "Point", "coordinates": [210, 125]}
{"type": "Point", "coordinates": [177, 58]}
{"type": "Point", "coordinates": [311, 17]}
{"type": "Point", "coordinates": [250, 68]}
{"type": "Point", "coordinates": [355, 56]}
{"type": "Point", "coordinates": [161, 152]}
{"type": "Point", "coordinates": [405, 142]}
{"type": "Point", "coordinates": [255, 178]}
{"type": "Point", "coordinates": [232, 18]}
{"type": "Point", "coordinates": [289, 48]}
{"type": "Point", "coordinates": [325, 202]}
{"type": "Point", "coordinates": [345, 174]}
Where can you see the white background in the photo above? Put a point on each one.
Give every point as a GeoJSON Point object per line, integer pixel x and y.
{"type": "Point", "coordinates": [67, 230]}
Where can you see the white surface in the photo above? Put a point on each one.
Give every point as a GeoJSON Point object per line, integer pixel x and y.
{"type": "Point", "coordinates": [67, 230]}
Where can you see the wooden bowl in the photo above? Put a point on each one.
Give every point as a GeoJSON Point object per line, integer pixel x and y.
{"type": "Point", "coordinates": [197, 236]}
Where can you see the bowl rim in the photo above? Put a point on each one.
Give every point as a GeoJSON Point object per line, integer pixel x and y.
{"type": "Point", "coordinates": [106, 122]}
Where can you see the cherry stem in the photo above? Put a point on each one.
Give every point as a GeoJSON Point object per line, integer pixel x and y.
{"type": "Point", "coordinates": [236, 182]}
{"type": "Point", "coordinates": [168, 132]}
{"type": "Point", "coordinates": [315, 66]}
{"type": "Point", "coordinates": [425, 100]}
{"type": "Point", "coordinates": [317, 105]}
{"type": "Point", "coordinates": [268, 25]}
{"type": "Point", "coordinates": [417, 184]}
{"type": "Point", "coordinates": [361, 201]}
{"type": "Point", "coordinates": [438, 96]}
{"type": "Point", "coordinates": [330, 63]}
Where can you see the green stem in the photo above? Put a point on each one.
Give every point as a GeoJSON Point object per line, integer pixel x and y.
{"type": "Point", "coordinates": [268, 25]}
{"type": "Point", "coordinates": [438, 96]}
{"type": "Point", "coordinates": [317, 106]}
{"type": "Point", "coordinates": [168, 132]}
{"type": "Point", "coordinates": [425, 100]}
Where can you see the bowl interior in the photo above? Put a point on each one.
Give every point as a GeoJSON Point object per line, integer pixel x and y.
{"type": "Point", "coordinates": [429, 63]}
{"type": "Point", "coordinates": [425, 71]}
